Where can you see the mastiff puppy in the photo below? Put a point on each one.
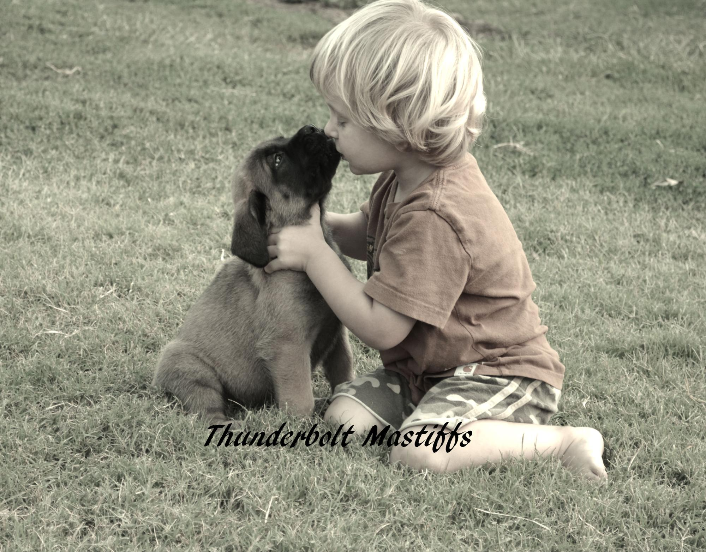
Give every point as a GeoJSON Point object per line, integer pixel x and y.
{"type": "Point", "coordinates": [252, 337]}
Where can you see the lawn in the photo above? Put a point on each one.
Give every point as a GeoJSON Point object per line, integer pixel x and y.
{"type": "Point", "coordinates": [121, 124]}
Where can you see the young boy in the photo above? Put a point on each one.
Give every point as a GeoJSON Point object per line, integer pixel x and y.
{"type": "Point", "coordinates": [448, 297]}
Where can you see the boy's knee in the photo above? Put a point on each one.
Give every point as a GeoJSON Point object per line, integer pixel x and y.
{"type": "Point", "coordinates": [344, 410]}
{"type": "Point", "coordinates": [420, 458]}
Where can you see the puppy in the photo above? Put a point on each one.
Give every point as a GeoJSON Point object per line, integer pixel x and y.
{"type": "Point", "coordinates": [252, 337]}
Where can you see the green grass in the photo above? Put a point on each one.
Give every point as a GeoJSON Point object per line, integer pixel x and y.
{"type": "Point", "coordinates": [115, 211]}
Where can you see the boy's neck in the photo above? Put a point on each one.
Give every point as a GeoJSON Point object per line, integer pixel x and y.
{"type": "Point", "coordinates": [410, 173]}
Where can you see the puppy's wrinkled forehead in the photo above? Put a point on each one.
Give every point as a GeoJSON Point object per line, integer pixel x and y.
{"type": "Point", "coordinates": [292, 173]}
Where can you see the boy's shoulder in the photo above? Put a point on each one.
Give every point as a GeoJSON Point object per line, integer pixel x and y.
{"type": "Point", "coordinates": [458, 194]}
{"type": "Point", "coordinates": [455, 192]}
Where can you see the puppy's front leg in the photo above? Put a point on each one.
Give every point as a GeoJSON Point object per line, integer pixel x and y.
{"type": "Point", "coordinates": [291, 372]}
{"type": "Point", "coordinates": [338, 364]}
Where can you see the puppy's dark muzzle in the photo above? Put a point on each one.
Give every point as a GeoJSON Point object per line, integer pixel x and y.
{"type": "Point", "coordinates": [316, 143]}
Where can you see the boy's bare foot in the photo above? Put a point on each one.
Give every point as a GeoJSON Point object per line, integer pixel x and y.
{"type": "Point", "coordinates": [581, 452]}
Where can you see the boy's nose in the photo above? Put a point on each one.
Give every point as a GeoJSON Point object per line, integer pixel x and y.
{"type": "Point", "coordinates": [329, 129]}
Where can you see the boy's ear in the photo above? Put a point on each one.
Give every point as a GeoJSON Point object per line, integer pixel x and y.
{"type": "Point", "coordinates": [250, 235]}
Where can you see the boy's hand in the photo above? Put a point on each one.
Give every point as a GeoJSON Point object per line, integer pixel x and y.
{"type": "Point", "coordinates": [290, 248]}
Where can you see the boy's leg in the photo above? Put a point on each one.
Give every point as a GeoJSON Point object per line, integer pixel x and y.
{"type": "Point", "coordinates": [578, 448]}
{"type": "Point", "coordinates": [378, 398]}
{"type": "Point", "coordinates": [344, 410]}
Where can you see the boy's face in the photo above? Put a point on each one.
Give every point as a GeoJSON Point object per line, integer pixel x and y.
{"type": "Point", "coordinates": [365, 152]}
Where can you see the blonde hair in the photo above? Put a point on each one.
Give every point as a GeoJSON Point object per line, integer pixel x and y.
{"type": "Point", "coordinates": [408, 72]}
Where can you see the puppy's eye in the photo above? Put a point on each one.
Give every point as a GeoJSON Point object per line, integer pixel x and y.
{"type": "Point", "coordinates": [276, 160]}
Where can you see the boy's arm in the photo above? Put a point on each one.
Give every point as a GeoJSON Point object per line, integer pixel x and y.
{"type": "Point", "coordinates": [303, 248]}
{"type": "Point", "coordinates": [349, 233]}
{"type": "Point", "coordinates": [372, 322]}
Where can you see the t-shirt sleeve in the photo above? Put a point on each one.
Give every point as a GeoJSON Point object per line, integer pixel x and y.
{"type": "Point", "coordinates": [423, 268]}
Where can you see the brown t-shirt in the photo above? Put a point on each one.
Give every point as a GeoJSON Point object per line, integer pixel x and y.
{"type": "Point", "coordinates": [448, 256]}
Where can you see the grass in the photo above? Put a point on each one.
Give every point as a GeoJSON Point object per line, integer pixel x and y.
{"type": "Point", "coordinates": [115, 212]}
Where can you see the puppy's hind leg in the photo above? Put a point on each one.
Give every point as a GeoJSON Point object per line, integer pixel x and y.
{"type": "Point", "coordinates": [338, 362]}
{"type": "Point", "coordinates": [189, 378]}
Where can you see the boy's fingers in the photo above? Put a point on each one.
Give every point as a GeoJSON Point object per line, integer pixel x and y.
{"type": "Point", "coordinates": [272, 266]}
{"type": "Point", "coordinates": [272, 251]}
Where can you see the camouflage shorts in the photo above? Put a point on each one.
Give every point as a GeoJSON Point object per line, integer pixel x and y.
{"type": "Point", "coordinates": [463, 397]}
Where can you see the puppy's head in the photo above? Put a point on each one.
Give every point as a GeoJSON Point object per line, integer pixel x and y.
{"type": "Point", "coordinates": [277, 185]}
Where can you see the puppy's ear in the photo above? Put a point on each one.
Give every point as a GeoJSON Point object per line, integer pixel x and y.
{"type": "Point", "coordinates": [250, 237]}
